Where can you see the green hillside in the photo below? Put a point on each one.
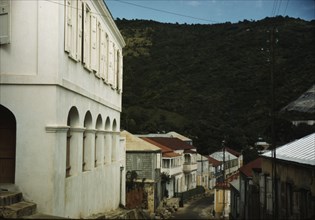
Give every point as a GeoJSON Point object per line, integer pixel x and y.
{"type": "Point", "coordinates": [212, 82]}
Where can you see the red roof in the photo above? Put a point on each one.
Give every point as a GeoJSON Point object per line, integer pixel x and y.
{"type": "Point", "coordinates": [170, 154]}
{"type": "Point", "coordinates": [235, 153]}
{"type": "Point", "coordinates": [213, 161]}
{"type": "Point", "coordinates": [163, 148]}
{"type": "Point", "coordinates": [171, 142]}
{"type": "Point", "coordinates": [247, 169]}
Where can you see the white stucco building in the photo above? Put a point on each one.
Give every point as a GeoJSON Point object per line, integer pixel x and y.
{"type": "Point", "coordinates": [60, 105]}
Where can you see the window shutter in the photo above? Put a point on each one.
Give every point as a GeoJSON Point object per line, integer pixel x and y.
{"type": "Point", "coordinates": [106, 67]}
{"type": "Point", "coordinates": [93, 42]}
{"type": "Point", "coordinates": [115, 68]}
{"type": "Point", "coordinates": [68, 25]}
{"type": "Point", "coordinates": [269, 194]}
{"type": "Point", "coordinates": [5, 21]}
{"type": "Point", "coordinates": [79, 30]}
{"type": "Point", "coordinates": [102, 53]}
{"type": "Point", "coordinates": [111, 60]}
{"type": "Point", "coordinates": [74, 15]}
{"type": "Point", "coordinates": [86, 35]}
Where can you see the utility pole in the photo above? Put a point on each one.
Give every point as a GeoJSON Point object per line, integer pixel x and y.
{"type": "Point", "coordinates": [273, 41]}
{"type": "Point", "coordinates": [223, 151]}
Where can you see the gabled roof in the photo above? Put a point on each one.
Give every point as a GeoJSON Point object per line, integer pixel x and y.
{"type": "Point", "coordinates": [179, 136]}
{"type": "Point", "coordinates": [235, 153]}
{"type": "Point", "coordinates": [166, 152]}
{"type": "Point", "coordinates": [134, 143]}
{"type": "Point", "coordinates": [218, 155]}
{"type": "Point", "coordinates": [299, 151]}
{"type": "Point", "coordinates": [213, 161]}
{"type": "Point", "coordinates": [247, 169]}
{"type": "Point", "coordinates": [161, 146]}
{"type": "Point", "coordinates": [173, 143]}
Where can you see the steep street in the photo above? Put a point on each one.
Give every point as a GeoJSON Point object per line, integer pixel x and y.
{"type": "Point", "coordinates": [199, 208]}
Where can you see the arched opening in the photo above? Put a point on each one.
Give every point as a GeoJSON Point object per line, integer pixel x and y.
{"type": "Point", "coordinates": [7, 145]}
{"type": "Point", "coordinates": [107, 142]}
{"type": "Point", "coordinates": [114, 141]}
{"type": "Point", "coordinates": [98, 141]}
{"type": "Point", "coordinates": [86, 141]}
{"type": "Point", "coordinates": [72, 121]}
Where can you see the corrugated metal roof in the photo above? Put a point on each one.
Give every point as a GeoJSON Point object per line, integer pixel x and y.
{"type": "Point", "coordinates": [300, 151]}
{"type": "Point", "coordinates": [134, 143]}
{"type": "Point", "coordinates": [219, 156]}
{"type": "Point", "coordinates": [305, 103]}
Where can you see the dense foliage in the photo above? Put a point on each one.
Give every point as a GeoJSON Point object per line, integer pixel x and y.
{"type": "Point", "coordinates": [213, 82]}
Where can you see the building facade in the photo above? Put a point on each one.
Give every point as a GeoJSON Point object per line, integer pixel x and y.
{"type": "Point", "coordinates": [60, 105]}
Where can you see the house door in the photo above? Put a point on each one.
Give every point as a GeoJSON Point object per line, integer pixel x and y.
{"type": "Point", "coordinates": [7, 145]}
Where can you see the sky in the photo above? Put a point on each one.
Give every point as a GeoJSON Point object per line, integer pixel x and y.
{"type": "Point", "coordinates": [210, 11]}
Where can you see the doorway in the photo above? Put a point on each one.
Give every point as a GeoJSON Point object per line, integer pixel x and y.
{"type": "Point", "coordinates": [7, 145]}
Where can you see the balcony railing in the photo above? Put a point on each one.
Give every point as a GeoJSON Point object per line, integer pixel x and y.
{"type": "Point", "coordinates": [189, 167]}
{"type": "Point", "coordinates": [173, 170]}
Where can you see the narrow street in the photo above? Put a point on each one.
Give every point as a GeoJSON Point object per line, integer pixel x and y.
{"type": "Point", "coordinates": [199, 208]}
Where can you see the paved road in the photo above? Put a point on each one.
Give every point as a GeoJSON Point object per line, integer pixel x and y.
{"type": "Point", "coordinates": [200, 208]}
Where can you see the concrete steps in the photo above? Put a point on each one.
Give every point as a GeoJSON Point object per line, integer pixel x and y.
{"type": "Point", "coordinates": [13, 206]}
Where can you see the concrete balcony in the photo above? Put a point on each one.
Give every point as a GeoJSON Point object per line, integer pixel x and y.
{"type": "Point", "coordinates": [189, 167]}
{"type": "Point", "coordinates": [173, 170]}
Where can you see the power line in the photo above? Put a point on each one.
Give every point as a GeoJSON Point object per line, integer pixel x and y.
{"type": "Point", "coordinates": [164, 11]}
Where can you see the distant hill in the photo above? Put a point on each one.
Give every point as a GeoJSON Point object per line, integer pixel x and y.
{"type": "Point", "coordinates": [212, 82]}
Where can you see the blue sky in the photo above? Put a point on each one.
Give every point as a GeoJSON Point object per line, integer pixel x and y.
{"type": "Point", "coordinates": [210, 11]}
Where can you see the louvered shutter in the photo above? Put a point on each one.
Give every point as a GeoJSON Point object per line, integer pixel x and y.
{"type": "Point", "coordinates": [5, 21]}
{"type": "Point", "coordinates": [86, 35]}
{"type": "Point", "coordinates": [79, 30]}
{"type": "Point", "coordinates": [74, 17]}
{"type": "Point", "coordinates": [93, 42]}
{"type": "Point", "coordinates": [102, 54]}
{"type": "Point", "coordinates": [68, 25]}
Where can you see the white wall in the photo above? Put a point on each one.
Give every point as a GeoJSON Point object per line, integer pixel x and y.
{"type": "Point", "coordinates": [39, 84]}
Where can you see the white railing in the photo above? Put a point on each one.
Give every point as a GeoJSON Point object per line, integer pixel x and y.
{"type": "Point", "coordinates": [189, 167]}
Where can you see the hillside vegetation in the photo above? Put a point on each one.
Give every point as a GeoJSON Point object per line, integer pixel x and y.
{"type": "Point", "coordinates": [212, 82]}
